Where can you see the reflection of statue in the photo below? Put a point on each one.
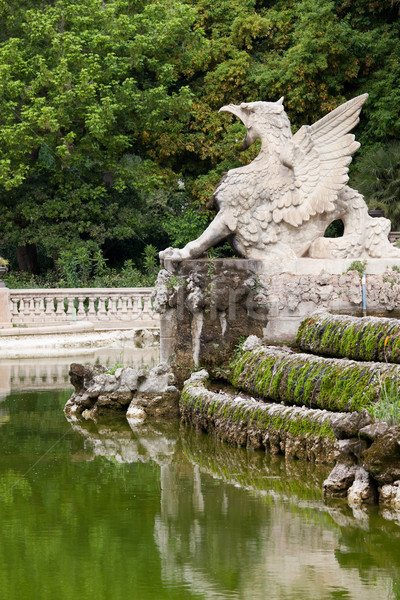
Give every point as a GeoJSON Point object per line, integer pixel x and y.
{"type": "Point", "coordinates": [282, 202]}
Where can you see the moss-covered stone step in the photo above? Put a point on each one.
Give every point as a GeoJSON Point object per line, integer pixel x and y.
{"type": "Point", "coordinates": [303, 379]}
{"type": "Point", "coordinates": [358, 338]}
{"type": "Point", "coordinates": [297, 432]}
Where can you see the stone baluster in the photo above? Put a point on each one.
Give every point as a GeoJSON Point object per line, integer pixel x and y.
{"type": "Point", "coordinates": [147, 313]}
{"type": "Point", "coordinates": [38, 306]}
{"type": "Point", "coordinates": [92, 313]}
{"type": "Point", "coordinates": [60, 311]}
{"type": "Point", "coordinates": [49, 308]}
{"type": "Point", "coordinates": [111, 309]}
{"type": "Point", "coordinates": [29, 308]}
{"type": "Point", "coordinates": [23, 309]}
{"type": "Point", "coordinates": [125, 312]}
{"type": "Point", "coordinates": [70, 313]}
{"type": "Point", "coordinates": [39, 309]}
{"type": "Point", "coordinates": [101, 310]}
{"type": "Point", "coordinates": [117, 307]}
{"type": "Point", "coordinates": [80, 313]}
{"type": "Point", "coordinates": [15, 316]}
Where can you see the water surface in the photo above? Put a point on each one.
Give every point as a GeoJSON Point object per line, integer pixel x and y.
{"type": "Point", "coordinates": [106, 511]}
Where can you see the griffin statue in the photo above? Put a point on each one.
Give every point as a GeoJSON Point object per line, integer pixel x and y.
{"type": "Point", "coordinates": [281, 203]}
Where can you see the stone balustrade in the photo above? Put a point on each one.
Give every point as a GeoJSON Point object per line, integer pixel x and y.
{"type": "Point", "coordinates": [62, 305]}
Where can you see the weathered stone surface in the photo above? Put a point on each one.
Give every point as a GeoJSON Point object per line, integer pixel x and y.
{"type": "Point", "coordinates": [101, 394]}
{"type": "Point", "coordinates": [251, 343]}
{"type": "Point", "coordinates": [198, 376]}
{"type": "Point", "coordinates": [382, 459]}
{"type": "Point", "coordinates": [82, 375]}
{"type": "Point", "coordinates": [205, 310]}
{"type": "Point", "coordinates": [373, 431]}
{"type": "Point", "coordinates": [128, 378]}
{"type": "Point", "coordinates": [339, 481]}
{"type": "Point", "coordinates": [78, 403]}
{"type": "Point", "coordinates": [390, 495]}
{"type": "Point", "coordinates": [102, 384]}
{"type": "Point", "coordinates": [297, 432]}
{"type": "Point", "coordinates": [363, 490]}
{"type": "Point", "coordinates": [155, 380]}
{"type": "Point", "coordinates": [136, 414]}
{"type": "Point", "coordinates": [281, 204]}
{"type": "Point", "coordinates": [351, 450]}
{"type": "Point", "coordinates": [267, 298]}
{"type": "Point", "coordinates": [350, 425]}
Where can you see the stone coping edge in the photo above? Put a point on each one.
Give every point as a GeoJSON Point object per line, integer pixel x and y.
{"type": "Point", "coordinates": [81, 327]}
{"type": "Point", "coordinates": [300, 266]}
{"type": "Point", "coordinates": [47, 329]}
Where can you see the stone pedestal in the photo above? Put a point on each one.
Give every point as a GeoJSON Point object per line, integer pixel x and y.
{"type": "Point", "coordinates": [207, 305]}
{"type": "Point", "coordinates": [5, 313]}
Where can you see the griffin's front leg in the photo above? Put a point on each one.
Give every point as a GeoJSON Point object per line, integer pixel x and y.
{"type": "Point", "coordinates": [215, 232]}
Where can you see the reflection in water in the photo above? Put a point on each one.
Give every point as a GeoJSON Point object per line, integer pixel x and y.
{"type": "Point", "coordinates": [235, 523]}
{"type": "Point", "coordinates": [52, 373]}
{"type": "Point", "coordinates": [103, 510]}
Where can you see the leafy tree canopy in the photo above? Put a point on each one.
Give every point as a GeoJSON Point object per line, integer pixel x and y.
{"type": "Point", "coordinates": [109, 127]}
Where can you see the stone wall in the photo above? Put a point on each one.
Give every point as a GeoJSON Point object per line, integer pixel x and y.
{"type": "Point", "coordinates": [367, 454]}
{"type": "Point", "coordinates": [207, 305]}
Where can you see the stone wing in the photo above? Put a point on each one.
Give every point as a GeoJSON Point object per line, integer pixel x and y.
{"type": "Point", "coordinates": [318, 157]}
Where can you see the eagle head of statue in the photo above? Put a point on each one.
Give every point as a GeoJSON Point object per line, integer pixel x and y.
{"type": "Point", "coordinates": [257, 117]}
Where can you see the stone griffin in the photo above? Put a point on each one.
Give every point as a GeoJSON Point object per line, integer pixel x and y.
{"type": "Point", "coordinates": [281, 203]}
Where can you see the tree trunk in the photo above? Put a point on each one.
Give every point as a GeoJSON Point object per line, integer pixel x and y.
{"type": "Point", "coordinates": [27, 258]}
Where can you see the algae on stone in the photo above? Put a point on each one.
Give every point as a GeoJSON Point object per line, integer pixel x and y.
{"type": "Point", "coordinates": [366, 338]}
{"type": "Point", "coordinates": [316, 382]}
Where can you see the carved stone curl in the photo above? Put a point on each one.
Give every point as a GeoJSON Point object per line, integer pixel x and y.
{"type": "Point", "coordinates": [281, 203]}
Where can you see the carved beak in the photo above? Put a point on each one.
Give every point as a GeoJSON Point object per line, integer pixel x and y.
{"type": "Point", "coordinates": [242, 115]}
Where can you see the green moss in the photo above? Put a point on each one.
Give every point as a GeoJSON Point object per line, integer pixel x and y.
{"type": "Point", "coordinates": [342, 336]}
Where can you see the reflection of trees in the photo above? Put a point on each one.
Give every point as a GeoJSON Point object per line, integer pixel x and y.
{"type": "Point", "coordinates": [277, 537]}
{"type": "Point", "coordinates": [4, 415]}
{"type": "Point", "coordinates": [72, 529]}
{"type": "Point", "coordinates": [121, 513]}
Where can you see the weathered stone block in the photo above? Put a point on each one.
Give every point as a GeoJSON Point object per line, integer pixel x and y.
{"type": "Point", "coordinates": [207, 305]}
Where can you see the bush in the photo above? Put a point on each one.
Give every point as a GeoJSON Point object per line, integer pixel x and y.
{"type": "Point", "coordinates": [387, 409]}
{"type": "Point", "coordinates": [378, 178]}
{"type": "Point", "coordinates": [82, 269]}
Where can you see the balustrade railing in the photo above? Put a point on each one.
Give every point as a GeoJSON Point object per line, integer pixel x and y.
{"type": "Point", "coordinates": [61, 305]}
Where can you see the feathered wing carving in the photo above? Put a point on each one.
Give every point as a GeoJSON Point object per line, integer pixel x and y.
{"type": "Point", "coordinates": [318, 157]}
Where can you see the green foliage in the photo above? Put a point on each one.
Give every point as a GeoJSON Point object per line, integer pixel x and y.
{"type": "Point", "coordinates": [335, 229]}
{"type": "Point", "coordinates": [359, 266]}
{"type": "Point", "coordinates": [186, 225]}
{"type": "Point", "coordinates": [151, 265]}
{"type": "Point", "coordinates": [109, 130]}
{"type": "Point", "coordinates": [90, 117]}
{"type": "Point", "coordinates": [378, 178]}
{"type": "Point", "coordinates": [112, 370]}
{"type": "Point", "coordinates": [388, 407]}
{"type": "Point", "coordinates": [127, 276]}
{"type": "Point", "coordinates": [79, 263]}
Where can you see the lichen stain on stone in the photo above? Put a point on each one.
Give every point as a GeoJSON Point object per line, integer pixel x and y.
{"type": "Point", "coordinates": [197, 327]}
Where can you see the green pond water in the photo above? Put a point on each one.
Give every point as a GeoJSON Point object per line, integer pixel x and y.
{"type": "Point", "coordinates": [109, 511]}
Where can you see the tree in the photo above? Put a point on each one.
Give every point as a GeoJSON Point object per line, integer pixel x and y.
{"type": "Point", "coordinates": [109, 127]}
{"type": "Point", "coordinates": [92, 111]}
{"type": "Point", "coordinates": [378, 178]}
